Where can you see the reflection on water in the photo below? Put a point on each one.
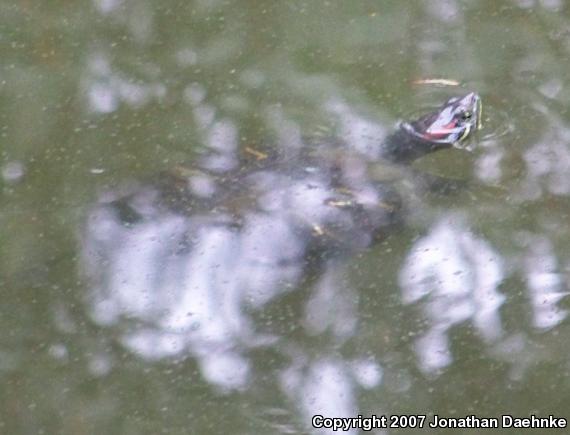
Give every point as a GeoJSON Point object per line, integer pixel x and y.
{"type": "Point", "coordinates": [456, 275]}
{"type": "Point", "coordinates": [193, 274]}
{"type": "Point", "coordinates": [546, 285]}
{"type": "Point", "coordinates": [12, 172]}
{"type": "Point", "coordinates": [195, 322]}
{"type": "Point", "coordinates": [548, 163]}
{"type": "Point", "coordinates": [106, 88]}
{"type": "Point", "coordinates": [191, 255]}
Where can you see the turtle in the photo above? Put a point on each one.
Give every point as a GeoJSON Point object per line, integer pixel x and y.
{"type": "Point", "coordinates": [334, 198]}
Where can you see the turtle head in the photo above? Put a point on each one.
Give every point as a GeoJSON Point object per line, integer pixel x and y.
{"type": "Point", "coordinates": [449, 125]}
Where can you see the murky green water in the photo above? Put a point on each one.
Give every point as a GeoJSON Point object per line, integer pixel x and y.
{"type": "Point", "coordinates": [108, 329]}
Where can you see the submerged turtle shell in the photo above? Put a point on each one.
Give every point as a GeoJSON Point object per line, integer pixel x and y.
{"type": "Point", "coordinates": [323, 195]}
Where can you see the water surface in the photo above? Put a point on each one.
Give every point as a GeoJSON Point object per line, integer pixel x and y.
{"type": "Point", "coordinates": [463, 311]}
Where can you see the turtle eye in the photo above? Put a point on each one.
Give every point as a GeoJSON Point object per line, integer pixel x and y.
{"type": "Point", "coordinates": [466, 115]}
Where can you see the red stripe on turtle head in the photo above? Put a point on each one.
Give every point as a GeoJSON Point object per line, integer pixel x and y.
{"type": "Point", "coordinates": [440, 132]}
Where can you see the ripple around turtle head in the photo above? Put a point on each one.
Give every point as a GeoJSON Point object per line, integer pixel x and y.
{"type": "Point", "coordinates": [495, 123]}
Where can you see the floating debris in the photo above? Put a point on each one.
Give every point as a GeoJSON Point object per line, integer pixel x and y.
{"type": "Point", "coordinates": [257, 154]}
{"type": "Point", "coordinates": [437, 82]}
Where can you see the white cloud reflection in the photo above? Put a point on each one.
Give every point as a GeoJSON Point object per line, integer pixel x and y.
{"type": "Point", "coordinates": [546, 285]}
{"type": "Point", "coordinates": [106, 88]}
{"type": "Point", "coordinates": [456, 276]}
{"type": "Point", "coordinates": [191, 282]}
